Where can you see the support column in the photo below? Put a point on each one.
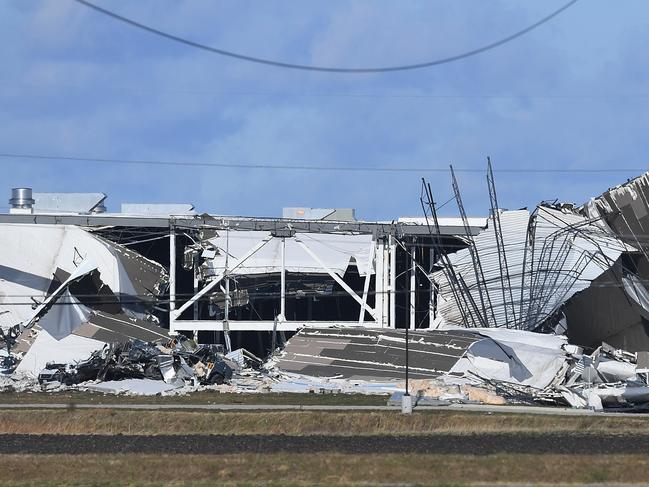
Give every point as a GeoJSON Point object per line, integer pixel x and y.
{"type": "Point", "coordinates": [226, 314]}
{"type": "Point", "coordinates": [393, 282]}
{"type": "Point", "coordinates": [379, 281]}
{"type": "Point", "coordinates": [366, 284]}
{"type": "Point", "coordinates": [413, 288]}
{"type": "Point", "coordinates": [196, 311]}
{"type": "Point", "coordinates": [172, 279]}
{"type": "Point", "coordinates": [386, 283]}
{"type": "Point", "coordinates": [431, 297]}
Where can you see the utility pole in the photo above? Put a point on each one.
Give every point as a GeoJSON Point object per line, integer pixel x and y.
{"type": "Point", "coordinates": [406, 401]}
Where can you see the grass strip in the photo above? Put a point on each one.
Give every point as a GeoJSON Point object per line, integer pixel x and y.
{"type": "Point", "coordinates": [321, 469]}
{"type": "Point", "coordinates": [198, 397]}
{"type": "Point", "coordinates": [115, 421]}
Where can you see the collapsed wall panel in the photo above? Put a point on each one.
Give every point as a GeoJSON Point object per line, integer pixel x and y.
{"type": "Point", "coordinates": [551, 255]}
{"type": "Point", "coordinates": [59, 281]}
{"type": "Point", "coordinates": [615, 309]}
{"type": "Point", "coordinates": [606, 313]}
{"type": "Point", "coordinates": [35, 257]}
{"type": "Point", "coordinates": [459, 356]}
{"type": "Point", "coordinates": [514, 225]}
{"type": "Point", "coordinates": [370, 354]}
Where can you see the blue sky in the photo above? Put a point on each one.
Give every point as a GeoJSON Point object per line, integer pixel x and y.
{"type": "Point", "coordinates": [571, 94]}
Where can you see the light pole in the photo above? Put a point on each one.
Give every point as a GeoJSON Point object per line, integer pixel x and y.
{"type": "Point", "coordinates": [406, 400]}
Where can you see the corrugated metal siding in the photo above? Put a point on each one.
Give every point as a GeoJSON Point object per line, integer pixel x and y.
{"type": "Point", "coordinates": [566, 254]}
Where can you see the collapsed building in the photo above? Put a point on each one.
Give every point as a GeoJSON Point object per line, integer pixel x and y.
{"type": "Point", "coordinates": [563, 282]}
{"type": "Point", "coordinates": [76, 277]}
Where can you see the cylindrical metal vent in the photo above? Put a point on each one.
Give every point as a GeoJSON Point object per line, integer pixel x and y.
{"type": "Point", "coordinates": [21, 198]}
{"type": "Point", "coordinates": [99, 208]}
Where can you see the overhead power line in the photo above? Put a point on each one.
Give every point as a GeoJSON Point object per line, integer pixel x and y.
{"type": "Point", "coordinates": [298, 167]}
{"type": "Point", "coordinates": [329, 69]}
{"type": "Point", "coordinates": [142, 90]}
{"type": "Point", "coordinates": [93, 299]}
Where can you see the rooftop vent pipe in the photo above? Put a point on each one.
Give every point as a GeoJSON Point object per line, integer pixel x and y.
{"type": "Point", "coordinates": [100, 208]}
{"type": "Point", "coordinates": [21, 199]}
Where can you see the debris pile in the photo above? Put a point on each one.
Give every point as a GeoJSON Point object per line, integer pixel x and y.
{"type": "Point", "coordinates": [176, 361]}
{"type": "Point", "coordinates": [486, 365]}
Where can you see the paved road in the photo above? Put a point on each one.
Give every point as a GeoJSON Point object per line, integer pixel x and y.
{"type": "Point", "coordinates": [482, 444]}
{"type": "Point", "coordinates": [278, 407]}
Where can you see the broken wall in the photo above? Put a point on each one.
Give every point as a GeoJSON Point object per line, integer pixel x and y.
{"type": "Point", "coordinates": [61, 281]}
{"type": "Point", "coordinates": [615, 309]}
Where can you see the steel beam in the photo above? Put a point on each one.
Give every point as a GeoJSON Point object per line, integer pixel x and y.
{"type": "Point", "coordinates": [366, 284]}
{"type": "Point", "coordinates": [220, 276]}
{"type": "Point", "coordinates": [172, 278]}
{"type": "Point", "coordinates": [393, 283]}
{"type": "Point", "coordinates": [377, 229]}
{"type": "Point", "coordinates": [212, 325]}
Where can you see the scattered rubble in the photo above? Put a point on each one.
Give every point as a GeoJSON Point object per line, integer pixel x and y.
{"type": "Point", "coordinates": [175, 361]}
{"type": "Point", "coordinates": [486, 365]}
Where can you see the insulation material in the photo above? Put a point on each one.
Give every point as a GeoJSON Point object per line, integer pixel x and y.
{"type": "Point", "coordinates": [514, 356]}
{"type": "Point", "coordinates": [336, 251]}
{"type": "Point", "coordinates": [65, 317]}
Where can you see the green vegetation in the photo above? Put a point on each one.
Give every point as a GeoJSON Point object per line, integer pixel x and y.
{"type": "Point", "coordinates": [200, 397]}
{"type": "Point", "coordinates": [120, 421]}
{"type": "Point", "coordinates": [321, 469]}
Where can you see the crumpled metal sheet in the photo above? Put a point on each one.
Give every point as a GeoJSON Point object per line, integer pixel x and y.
{"type": "Point", "coordinates": [83, 285]}
{"type": "Point", "coordinates": [32, 254]}
{"type": "Point", "coordinates": [564, 254]}
{"type": "Point", "coordinates": [171, 361]}
{"type": "Point", "coordinates": [615, 309]}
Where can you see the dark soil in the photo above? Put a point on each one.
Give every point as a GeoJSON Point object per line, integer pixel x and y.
{"type": "Point", "coordinates": [479, 444]}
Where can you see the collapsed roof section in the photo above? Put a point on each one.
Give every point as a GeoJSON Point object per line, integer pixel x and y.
{"type": "Point", "coordinates": [518, 358]}
{"type": "Point", "coordinates": [582, 269]}
{"type": "Point", "coordinates": [487, 365]}
{"type": "Point", "coordinates": [36, 259]}
{"type": "Point", "coordinates": [364, 354]}
{"type": "Point", "coordinates": [62, 284]}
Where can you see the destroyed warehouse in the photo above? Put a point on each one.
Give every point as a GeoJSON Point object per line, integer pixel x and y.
{"type": "Point", "coordinates": [548, 304]}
